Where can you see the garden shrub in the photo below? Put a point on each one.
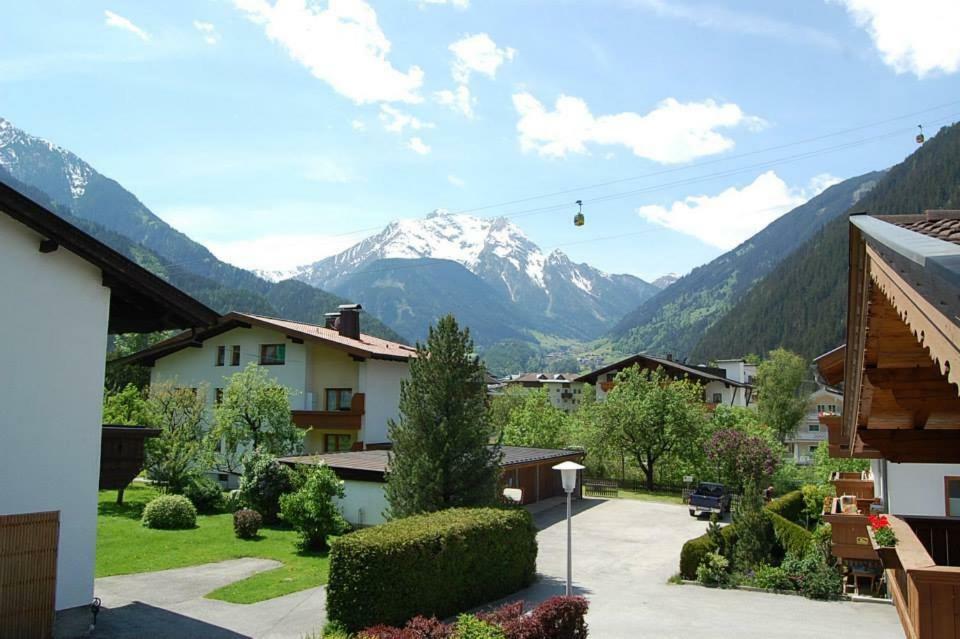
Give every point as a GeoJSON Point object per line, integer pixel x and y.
{"type": "Point", "coordinates": [246, 523]}
{"type": "Point", "coordinates": [436, 564]}
{"type": "Point", "coordinates": [205, 493]}
{"type": "Point", "coordinates": [814, 576]}
{"type": "Point", "coordinates": [170, 512]}
{"type": "Point", "coordinates": [790, 506]}
{"type": "Point", "coordinates": [233, 501]}
{"type": "Point", "coordinates": [693, 552]}
{"type": "Point", "coordinates": [561, 618]}
{"type": "Point", "coordinates": [469, 627]}
{"type": "Point", "coordinates": [772, 578]}
{"type": "Point", "coordinates": [792, 538]}
{"type": "Point", "coordinates": [264, 480]}
{"type": "Point", "coordinates": [311, 509]}
{"type": "Point", "coordinates": [714, 570]}
{"type": "Point", "coordinates": [813, 498]}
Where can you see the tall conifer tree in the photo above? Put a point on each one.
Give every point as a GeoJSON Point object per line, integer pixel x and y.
{"type": "Point", "coordinates": [442, 455]}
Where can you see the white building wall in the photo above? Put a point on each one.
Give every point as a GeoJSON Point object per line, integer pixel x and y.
{"type": "Point", "coordinates": [916, 489]}
{"type": "Point", "coordinates": [328, 367]}
{"type": "Point", "coordinates": [380, 381]}
{"type": "Point", "coordinates": [53, 342]}
{"type": "Point", "coordinates": [364, 502]}
{"type": "Point", "coordinates": [193, 367]}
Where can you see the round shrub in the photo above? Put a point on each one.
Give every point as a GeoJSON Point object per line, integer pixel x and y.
{"type": "Point", "coordinates": [246, 523]}
{"type": "Point", "coordinates": [311, 510]}
{"type": "Point", "coordinates": [205, 493]}
{"type": "Point", "coordinates": [264, 481]}
{"type": "Point", "coordinates": [171, 512]}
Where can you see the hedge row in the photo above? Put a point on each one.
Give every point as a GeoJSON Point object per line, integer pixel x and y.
{"type": "Point", "coordinates": [788, 508]}
{"type": "Point", "coordinates": [791, 537]}
{"type": "Point", "coordinates": [433, 565]}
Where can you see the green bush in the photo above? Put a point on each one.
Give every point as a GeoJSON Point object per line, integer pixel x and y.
{"type": "Point", "coordinates": [246, 523]}
{"type": "Point", "coordinates": [469, 627]}
{"type": "Point", "coordinates": [311, 509]}
{"type": "Point", "coordinates": [169, 512]}
{"type": "Point", "coordinates": [694, 551]}
{"type": "Point", "coordinates": [264, 480]}
{"type": "Point", "coordinates": [772, 578]}
{"type": "Point", "coordinates": [814, 576]}
{"type": "Point", "coordinates": [714, 570]}
{"type": "Point", "coordinates": [792, 538]}
{"type": "Point", "coordinates": [789, 506]}
{"type": "Point", "coordinates": [436, 564]}
{"type": "Point", "coordinates": [204, 493]}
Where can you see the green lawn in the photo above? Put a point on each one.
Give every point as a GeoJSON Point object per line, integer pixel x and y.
{"type": "Point", "coordinates": [647, 495]}
{"type": "Point", "coordinates": [124, 546]}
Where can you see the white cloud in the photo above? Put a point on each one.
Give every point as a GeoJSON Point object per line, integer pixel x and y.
{"type": "Point", "coordinates": [358, 125]}
{"type": "Point", "coordinates": [728, 218]}
{"type": "Point", "coordinates": [918, 37]}
{"type": "Point", "coordinates": [418, 146]}
{"type": "Point", "coordinates": [111, 19]}
{"type": "Point", "coordinates": [457, 182]}
{"type": "Point", "coordinates": [327, 170]}
{"type": "Point", "coordinates": [478, 53]}
{"type": "Point", "coordinates": [208, 31]}
{"type": "Point", "coordinates": [342, 45]}
{"type": "Point", "coordinates": [395, 120]}
{"type": "Point", "coordinates": [458, 99]}
{"type": "Point", "coordinates": [459, 4]}
{"type": "Point", "coordinates": [672, 132]}
{"type": "Point", "coordinates": [280, 252]}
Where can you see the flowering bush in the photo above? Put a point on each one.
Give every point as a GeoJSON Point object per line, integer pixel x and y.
{"type": "Point", "coordinates": [743, 458]}
{"type": "Point", "coordinates": [882, 532]}
{"type": "Point", "coordinates": [246, 523]}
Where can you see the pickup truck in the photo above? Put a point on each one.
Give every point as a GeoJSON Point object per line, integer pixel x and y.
{"type": "Point", "coordinates": [709, 498]}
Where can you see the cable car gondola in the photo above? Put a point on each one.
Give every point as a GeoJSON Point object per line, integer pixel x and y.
{"type": "Point", "coordinates": [920, 137]}
{"type": "Point", "coordinates": [578, 219]}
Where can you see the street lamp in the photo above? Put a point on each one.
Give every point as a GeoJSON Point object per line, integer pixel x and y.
{"type": "Point", "coordinates": [568, 475]}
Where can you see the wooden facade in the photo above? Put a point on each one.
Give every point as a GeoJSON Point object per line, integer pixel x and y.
{"type": "Point", "coordinates": [28, 574]}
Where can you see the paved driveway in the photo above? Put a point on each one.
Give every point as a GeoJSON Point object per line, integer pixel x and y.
{"type": "Point", "coordinates": [625, 551]}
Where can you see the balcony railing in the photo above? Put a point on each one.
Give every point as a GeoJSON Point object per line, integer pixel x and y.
{"type": "Point", "coordinates": [923, 575]}
{"type": "Point", "coordinates": [350, 419]}
{"type": "Point", "coordinates": [858, 484]}
{"type": "Point", "coordinates": [849, 529]}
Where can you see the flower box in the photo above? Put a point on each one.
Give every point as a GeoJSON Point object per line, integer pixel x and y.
{"type": "Point", "coordinates": [888, 554]}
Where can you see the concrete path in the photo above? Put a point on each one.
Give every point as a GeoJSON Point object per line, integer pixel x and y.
{"type": "Point", "coordinates": [169, 604]}
{"type": "Point", "coordinates": [625, 550]}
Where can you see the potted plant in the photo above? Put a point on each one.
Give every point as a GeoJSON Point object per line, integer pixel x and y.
{"type": "Point", "coordinates": [883, 540]}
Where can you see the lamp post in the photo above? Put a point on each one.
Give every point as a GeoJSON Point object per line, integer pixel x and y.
{"type": "Point", "coordinates": [568, 475]}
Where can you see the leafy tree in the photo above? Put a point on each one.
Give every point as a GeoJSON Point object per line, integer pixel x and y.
{"type": "Point", "coordinates": [254, 413]}
{"type": "Point", "coordinates": [311, 510]}
{"type": "Point", "coordinates": [741, 458]}
{"type": "Point", "coordinates": [181, 449]}
{"type": "Point", "coordinates": [442, 455]}
{"type": "Point", "coordinates": [781, 404]}
{"type": "Point", "coordinates": [125, 407]}
{"type": "Point", "coordinates": [535, 422]}
{"type": "Point", "coordinates": [647, 416]}
{"type": "Point", "coordinates": [824, 465]}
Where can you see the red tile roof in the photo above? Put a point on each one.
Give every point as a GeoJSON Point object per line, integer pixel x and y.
{"type": "Point", "coordinates": [943, 224]}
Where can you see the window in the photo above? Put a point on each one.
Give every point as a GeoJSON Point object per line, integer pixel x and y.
{"type": "Point", "coordinates": [951, 489]}
{"type": "Point", "coordinates": [235, 355]}
{"type": "Point", "coordinates": [338, 399]}
{"type": "Point", "coordinates": [718, 398]}
{"type": "Point", "coordinates": [336, 443]}
{"type": "Point", "coordinates": [218, 396]}
{"type": "Point", "coordinates": [221, 355]}
{"type": "Point", "coordinates": [273, 354]}
{"type": "Point", "coordinates": [813, 428]}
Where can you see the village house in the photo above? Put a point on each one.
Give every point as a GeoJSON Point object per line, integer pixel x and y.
{"type": "Point", "coordinates": [730, 382]}
{"type": "Point", "coordinates": [66, 291]}
{"type": "Point", "coordinates": [901, 410]}
{"type": "Point", "coordinates": [803, 442]}
{"type": "Point", "coordinates": [345, 384]}
{"type": "Point", "coordinates": [563, 391]}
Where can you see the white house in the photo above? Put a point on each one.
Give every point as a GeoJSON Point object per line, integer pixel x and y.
{"type": "Point", "coordinates": [346, 384]}
{"type": "Point", "coordinates": [718, 385]}
{"type": "Point", "coordinates": [64, 292]}
{"type": "Point", "coordinates": [810, 433]}
{"type": "Point", "coordinates": [562, 390]}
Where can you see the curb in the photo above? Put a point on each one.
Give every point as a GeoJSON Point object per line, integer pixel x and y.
{"type": "Point", "coordinates": [851, 598]}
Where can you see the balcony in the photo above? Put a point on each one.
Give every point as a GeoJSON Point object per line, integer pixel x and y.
{"type": "Point", "coordinates": [350, 419]}
{"type": "Point", "coordinates": [923, 575]}
{"type": "Point", "coordinates": [606, 387]}
{"type": "Point", "coordinates": [858, 484]}
{"type": "Point", "coordinates": [848, 523]}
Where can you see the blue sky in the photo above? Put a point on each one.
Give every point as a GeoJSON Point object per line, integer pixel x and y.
{"type": "Point", "coordinates": [279, 132]}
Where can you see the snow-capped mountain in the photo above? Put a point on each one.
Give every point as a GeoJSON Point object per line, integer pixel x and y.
{"type": "Point", "coordinates": [562, 297]}
{"type": "Point", "coordinates": [21, 153]}
{"type": "Point", "coordinates": [664, 281]}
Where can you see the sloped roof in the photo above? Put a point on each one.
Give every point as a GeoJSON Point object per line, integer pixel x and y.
{"type": "Point", "coordinates": [365, 346]}
{"type": "Point", "coordinates": [140, 302]}
{"type": "Point", "coordinates": [703, 373]}
{"type": "Point", "coordinates": [943, 224]}
{"type": "Point", "coordinates": [541, 378]}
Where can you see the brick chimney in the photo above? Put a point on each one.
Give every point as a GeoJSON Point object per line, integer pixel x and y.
{"type": "Point", "coordinates": [349, 322]}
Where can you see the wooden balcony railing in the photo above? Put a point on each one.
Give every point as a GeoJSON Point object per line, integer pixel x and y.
{"type": "Point", "coordinates": [333, 419]}
{"type": "Point", "coordinates": [849, 532]}
{"type": "Point", "coordinates": [923, 589]}
{"type": "Point", "coordinates": [859, 485]}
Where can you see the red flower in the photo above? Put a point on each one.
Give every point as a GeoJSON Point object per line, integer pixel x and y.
{"type": "Point", "coordinates": [879, 521]}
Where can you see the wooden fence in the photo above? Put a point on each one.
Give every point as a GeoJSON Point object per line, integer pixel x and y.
{"type": "Point", "coordinates": [28, 574]}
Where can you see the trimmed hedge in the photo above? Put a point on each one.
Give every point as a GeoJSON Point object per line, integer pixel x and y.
{"type": "Point", "coordinates": [794, 539]}
{"type": "Point", "coordinates": [788, 508]}
{"type": "Point", "coordinates": [169, 512]}
{"type": "Point", "coordinates": [434, 565]}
